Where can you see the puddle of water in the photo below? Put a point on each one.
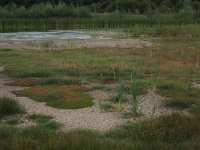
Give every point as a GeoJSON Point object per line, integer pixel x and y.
{"type": "Point", "coordinates": [58, 35]}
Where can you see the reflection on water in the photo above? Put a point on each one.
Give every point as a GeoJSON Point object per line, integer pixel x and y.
{"type": "Point", "coordinates": [57, 34]}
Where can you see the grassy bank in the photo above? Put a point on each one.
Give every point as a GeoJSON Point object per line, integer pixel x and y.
{"type": "Point", "coordinates": [172, 132]}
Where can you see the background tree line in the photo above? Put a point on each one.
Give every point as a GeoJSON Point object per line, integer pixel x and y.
{"type": "Point", "coordinates": [86, 7]}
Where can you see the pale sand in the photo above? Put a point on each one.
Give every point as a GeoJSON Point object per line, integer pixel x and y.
{"type": "Point", "coordinates": [73, 44]}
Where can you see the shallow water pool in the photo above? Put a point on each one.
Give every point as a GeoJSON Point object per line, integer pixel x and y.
{"type": "Point", "coordinates": [59, 35]}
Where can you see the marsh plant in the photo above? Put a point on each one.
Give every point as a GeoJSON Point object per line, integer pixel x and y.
{"type": "Point", "coordinates": [121, 95]}
{"type": "Point", "coordinates": [106, 106]}
{"type": "Point", "coordinates": [134, 94]}
{"type": "Point", "coordinates": [114, 75]}
{"type": "Point", "coordinates": [153, 82]}
{"type": "Point", "coordinates": [83, 78]}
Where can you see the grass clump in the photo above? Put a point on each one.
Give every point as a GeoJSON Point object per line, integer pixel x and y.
{"type": "Point", "coordinates": [105, 106]}
{"type": "Point", "coordinates": [180, 94]}
{"type": "Point", "coordinates": [121, 96]}
{"type": "Point", "coordinates": [39, 118]}
{"type": "Point", "coordinates": [179, 103]}
{"type": "Point", "coordinates": [59, 96]}
{"type": "Point", "coordinates": [12, 121]}
{"type": "Point", "coordinates": [9, 107]}
{"type": "Point", "coordinates": [44, 121]}
{"type": "Point", "coordinates": [174, 128]}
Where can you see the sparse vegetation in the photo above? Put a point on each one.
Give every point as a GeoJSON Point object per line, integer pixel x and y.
{"type": "Point", "coordinates": [44, 121]}
{"type": "Point", "coordinates": [106, 106]}
{"type": "Point", "coordinates": [134, 98]}
{"type": "Point", "coordinates": [12, 121]}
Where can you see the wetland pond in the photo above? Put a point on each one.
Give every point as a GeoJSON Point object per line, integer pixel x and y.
{"type": "Point", "coordinates": [62, 35]}
{"type": "Point", "coordinates": [70, 39]}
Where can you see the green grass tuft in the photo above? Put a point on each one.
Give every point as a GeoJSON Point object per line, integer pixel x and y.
{"type": "Point", "coordinates": [9, 107]}
{"type": "Point", "coordinates": [39, 118]}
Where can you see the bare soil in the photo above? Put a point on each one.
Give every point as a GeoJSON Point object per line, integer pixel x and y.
{"type": "Point", "coordinates": [73, 44]}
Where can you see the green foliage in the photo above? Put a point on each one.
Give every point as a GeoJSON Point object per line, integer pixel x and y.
{"type": "Point", "coordinates": [9, 107]}
{"type": "Point", "coordinates": [44, 10]}
{"type": "Point", "coordinates": [128, 6]}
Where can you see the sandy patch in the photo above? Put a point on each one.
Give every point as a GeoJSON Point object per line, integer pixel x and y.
{"type": "Point", "coordinates": [23, 121]}
{"type": "Point", "coordinates": [196, 85]}
{"type": "Point", "coordinates": [73, 44]}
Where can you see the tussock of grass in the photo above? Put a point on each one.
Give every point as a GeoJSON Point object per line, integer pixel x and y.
{"type": "Point", "coordinates": [39, 118]}
{"type": "Point", "coordinates": [9, 107]}
{"type": "Point", "coordinates": [175, 128]}
{"type": "Point", "coordinates": [50, 125]}
{"type": "Point", "coordinates": [44, 121]}
{"type": "Point", "coordinates": [12, 121]}
{"type": "Point", "coordinates": [63, 97]}
{"type": "Point", "coordinates": [179, 103]}
{"type": "Point", "coordinates": [180, 93]}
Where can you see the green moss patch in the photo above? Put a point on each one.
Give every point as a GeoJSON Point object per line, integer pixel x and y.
{"type": "Point", "coordinates": [23, 82]}
{"type": "Point", "coordinates": [63, 97]}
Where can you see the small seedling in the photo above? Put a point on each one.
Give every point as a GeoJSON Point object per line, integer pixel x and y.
{"type": "Point", "coordinates": [105, 106]}
{"type": "Point", "coordinates": [83, 79]}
